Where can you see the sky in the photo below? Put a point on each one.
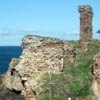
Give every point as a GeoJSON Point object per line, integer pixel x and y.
{"type": "Point", "coordinates": [49, 18]}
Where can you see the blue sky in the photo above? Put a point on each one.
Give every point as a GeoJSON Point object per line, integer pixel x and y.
{"type": "Point", "coordinates": [52, 18]}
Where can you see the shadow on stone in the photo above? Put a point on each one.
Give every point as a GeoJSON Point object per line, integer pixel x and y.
{"type": "Point", "coordinates": [6, 94]}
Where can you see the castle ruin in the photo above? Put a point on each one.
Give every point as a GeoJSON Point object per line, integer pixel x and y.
{"type": "Point", "coordinates": [86, 15]}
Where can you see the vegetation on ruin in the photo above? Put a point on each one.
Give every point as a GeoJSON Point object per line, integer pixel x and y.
{"type": "Point", "coordinates": [76, 80]}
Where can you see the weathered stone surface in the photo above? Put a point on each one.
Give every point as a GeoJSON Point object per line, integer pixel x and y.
{"type": "Point", "coordinates": [6, 94]}
{"type": "Point", "coordinates": [39, 56]}
{"type": "Point", "coordinates": [15, 79]}
{"type": "Point", "coordinates": [86, 15]}
{"type": "Point", "coordinates": [96, 76]}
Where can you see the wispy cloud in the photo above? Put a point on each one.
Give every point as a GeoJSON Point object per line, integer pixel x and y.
{"type": "Point", "coordinates": [14, 37]}
{"type": "Point", "coordinates": [0, 32]}
{"type": "Point", "coordinates": [75, 32]}
{"type": "Point", "coordinates": [3, 33]}
{"type": "Point", "coordinates": [22, 32]}
{"type": "Point", "coordinates": [29, 29]}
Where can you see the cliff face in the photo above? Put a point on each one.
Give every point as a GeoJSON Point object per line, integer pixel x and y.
{"type": "Point", "coordinates": [39, 56]}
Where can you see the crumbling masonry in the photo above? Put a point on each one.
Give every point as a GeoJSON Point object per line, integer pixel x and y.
{"type": "Point", "coordinates": [86, 15]}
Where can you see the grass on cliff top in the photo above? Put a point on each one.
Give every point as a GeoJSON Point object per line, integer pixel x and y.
{"type": "Point", "coordinates": [76, 80]}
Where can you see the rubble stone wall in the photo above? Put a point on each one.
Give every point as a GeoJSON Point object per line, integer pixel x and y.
{"type": "Point", "coordinates": [39, 56]}
{"type": "Point", "coordinates": [96, 76]}
{"type": "Point", "coordinates": [86, 15]}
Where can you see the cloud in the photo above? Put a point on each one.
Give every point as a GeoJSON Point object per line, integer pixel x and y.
{"type": "Point", "coordinates": [3, 33]}
{"type": "Point", "coordinates": [29, 30]}
{"type": "Point", "coordinates": [75, 33]}
{"type": "Point", "coordinates": [0, 32]}
{"type": "Point", "coordinates": [26, 31]}
{"type": "Point", "coordinates": [22, 32]}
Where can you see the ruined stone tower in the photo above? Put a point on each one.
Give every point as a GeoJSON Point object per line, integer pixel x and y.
{"type": "Point", "coordinates": [86, 15]}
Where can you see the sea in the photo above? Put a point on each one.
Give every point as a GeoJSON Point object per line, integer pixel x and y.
{"type": "Point", "coordinates": [6, 54]}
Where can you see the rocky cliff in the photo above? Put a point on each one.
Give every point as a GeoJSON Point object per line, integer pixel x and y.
{"type": "Point", "coordinates": [39, 56]}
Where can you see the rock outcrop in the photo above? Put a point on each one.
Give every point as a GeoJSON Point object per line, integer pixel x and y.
{"type": "Point", "coordinates": [96, 76]}
{"type": "Point", "coordinates": [86, 15]}
{"type": "Point", "coordinates": [39, 56]}
{"type": "Point", "coordinates": [6, 94]}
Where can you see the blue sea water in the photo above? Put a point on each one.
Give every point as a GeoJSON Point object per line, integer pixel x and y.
{"type": "Point", "coordinates": [6, 54]}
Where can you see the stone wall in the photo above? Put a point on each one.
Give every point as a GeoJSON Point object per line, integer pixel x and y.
{"type": "Point", "coordinates": [39, 56]}
{"type": "Point", "coordinates": [86, 15]}
{"type": "Point", "coordinates": [96, 76]}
